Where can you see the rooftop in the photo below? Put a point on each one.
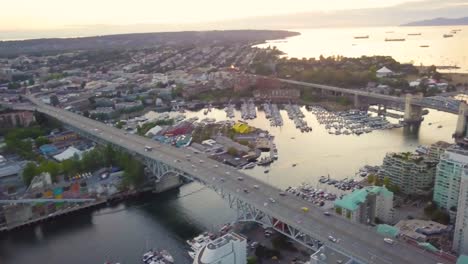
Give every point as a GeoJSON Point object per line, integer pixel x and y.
{"type": "Point", "coordinates": [419, 229]}
{"type": "Point", "coordinates": [463, 259]}
{"type": "Point", "coordinates": [353, 200]}
{"type": "Point", "coordinates": [11, 168]}
{"type": "Point", "coordinates": [388, 230]}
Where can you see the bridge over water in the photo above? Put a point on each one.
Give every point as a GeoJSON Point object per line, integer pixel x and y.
{"type": "Point", "coordinates": [412, 104]}
{"type": "Point", "coordinates": [360, 242]}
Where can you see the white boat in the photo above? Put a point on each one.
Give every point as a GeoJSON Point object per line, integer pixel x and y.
{"type": "Point", "coordinates": [192, 254]}
{"type": "Point", "coordinates": [168, 257]}
{"type": "Point", "coordinates": [249, 165]}
{"type": "Point", "coordinates": [148, 256]}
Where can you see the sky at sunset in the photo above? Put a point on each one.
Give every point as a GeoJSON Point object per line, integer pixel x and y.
{"type": "Point", "coordinates": [56, 14]}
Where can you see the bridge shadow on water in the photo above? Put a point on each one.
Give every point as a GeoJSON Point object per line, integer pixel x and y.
{"type": "Point", "coordinates": [51, 229]}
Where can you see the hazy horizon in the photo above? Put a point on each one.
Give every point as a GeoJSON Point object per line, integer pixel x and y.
{"type": "Point", "coordinates": [207, 15]}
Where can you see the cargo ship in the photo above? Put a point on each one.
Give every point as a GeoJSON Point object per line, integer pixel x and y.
{"type": "Point", "coordinates": [395, 39]}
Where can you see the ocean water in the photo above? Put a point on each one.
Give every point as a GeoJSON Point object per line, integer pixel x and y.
{"type": "Point", "coordinates": [340, 41]}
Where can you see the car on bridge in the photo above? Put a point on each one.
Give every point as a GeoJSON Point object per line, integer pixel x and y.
{"type": "Point", "coordinates": [148, 148]}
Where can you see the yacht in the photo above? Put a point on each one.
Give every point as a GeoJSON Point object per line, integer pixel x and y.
{"type": "Point", "coordinates": [395, 39]}
{"type": "Point", "coordinates": [192, 254]}
{"type": "Point", "coordinates": [249, 166]}
{"type": "Point", "coordinates": [166, 256]}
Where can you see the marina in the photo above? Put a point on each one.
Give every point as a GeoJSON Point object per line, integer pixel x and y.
{"type": "Point", "coordinates": [350, 122]}
{"type": "Point", "coordinates": [230, 110]}
{"type": "Point", "coordinates": [248, 110]}
{"type": "Point", "coordinates": [295, 114]}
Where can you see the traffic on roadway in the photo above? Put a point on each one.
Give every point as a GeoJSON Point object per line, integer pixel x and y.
{"type": "Point", "coordinates": [356, 240]}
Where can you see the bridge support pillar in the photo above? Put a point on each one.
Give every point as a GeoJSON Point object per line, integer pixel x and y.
{"type": "Point", "coordinates": [381, 109]}
{"type": "Point", "coordinates": [461, 130]}
{"type": "Point", "coordinates": [169, 181]}
{"type": "Point", "coordinates": [413, 113]}
{"type": "Point", "coordinates": [356, 101]}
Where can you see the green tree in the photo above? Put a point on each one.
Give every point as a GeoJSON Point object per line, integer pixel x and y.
{"type": "Point", "coordinates": [371, 178]}
{"type": "Point", "coordinates": [232, 151]}
{"type": "Point", "coordinates": [39, 141]}
{"type": "Point", "coordinates": [338, 210]}
{"type": "Point", "coordinates": [51, 167]}
{"type": "Point", "coordinates": [54, 101]}
{"type": "Point", "coordinates": [29, 171]}
{"type": "Point", "coordinates": [252, 260]}
{"type": "Point", "coordinates": [119, 124]}
{"type": "Point", "coordinates": [386, 181]}
{"type": "Point", "coordinates": [109, 155]}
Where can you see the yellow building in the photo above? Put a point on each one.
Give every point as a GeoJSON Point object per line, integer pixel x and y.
{"type": "Point", "coordinates": [241, 128]}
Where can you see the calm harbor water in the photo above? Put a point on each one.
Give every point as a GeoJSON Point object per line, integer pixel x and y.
{"type": "Point", "coordinates": [121, 233]}
{"type": "Point", "coordinates": [340, 41]}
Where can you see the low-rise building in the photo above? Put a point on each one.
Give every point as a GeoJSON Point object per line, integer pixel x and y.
{"type": "Point", "coordinates": [328, 255]}
{"type": "Point", "coordinates": [228, 249]}
{"type": "Point", "coordinates": [11, 176]}
{"type": "Point", "coordinates": [420, 230]}
{"type": "Point", "coordinates": [437, 149]}
{"type": "Point", "coordinates": [367, 204]}
{"type": "Point", "coordinates": [413, 174]}
{"type": "Point", "coordinates": [62, 136]}
{"type": "Point", "coordinates": [103, 112]}
{"type": "Point", "coordinates": [9, 119]}
{"type": "Point", "coordinates": [384, 72]}
{"type": "Point", "coordinates": [277, 94]}
{"type": "Point", "coordinates": [128, 106]}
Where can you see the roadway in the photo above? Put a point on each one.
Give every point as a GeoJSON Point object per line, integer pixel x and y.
{"type": "Point", "coordinates": [357, 240]}
{"type": "Point", "coordinates": [422, 102]}
{"type": "Point", "coordinates": [344, 90]}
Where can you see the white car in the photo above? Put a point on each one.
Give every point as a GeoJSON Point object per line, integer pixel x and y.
{"type": "Point", "coordinates": [332, 239]}
{"type": "Point", "coordinates": [228, 173]}
{"type": "Point", "coordinates": [216, 166]}
{"type": "Point", "coordinates": [272, 200]}
{"type": "Point", "coordinates": [256, 187]}
{"type": "Point", "coordinates": [389, 241]}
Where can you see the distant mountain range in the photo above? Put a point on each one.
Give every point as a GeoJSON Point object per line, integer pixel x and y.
{"type": "Point", "coordinates": [440, 21]}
